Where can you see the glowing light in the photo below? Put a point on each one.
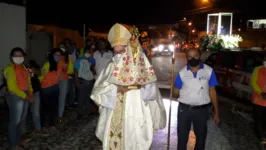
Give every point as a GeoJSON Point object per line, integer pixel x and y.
{"type": "Point", "coordinates": [160, 47]}
{"type": "Point", "coordinates": [171, 47]}
{"type": "Point", "coordinates": [190, 24]}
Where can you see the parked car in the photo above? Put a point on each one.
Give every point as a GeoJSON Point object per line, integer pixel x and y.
{"type": "Point", "coordinates": [233, 70]}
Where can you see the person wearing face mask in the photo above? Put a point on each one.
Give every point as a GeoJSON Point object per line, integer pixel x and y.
{"type": "Point", "coordinates": [19, 86]}
{"type": "Point", "coordinates": [195, 86]}
{"type": "Point", "coordinates": [49, 93]}
{"type": "Point", "coordinates": [66, 69]}
{"type": "Point", "coordinates": [84, 74]}
{"type": "Point", "coordinates": [130, 105]}
{"type": "Point", "coordinates": [258, 84]}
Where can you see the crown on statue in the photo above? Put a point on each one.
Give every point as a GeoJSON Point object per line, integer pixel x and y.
{"type": "Point", "coordinates": [134, 32]}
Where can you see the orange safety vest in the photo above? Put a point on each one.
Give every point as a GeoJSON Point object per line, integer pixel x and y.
{"type": "Point", "coordinates": [258, 83]}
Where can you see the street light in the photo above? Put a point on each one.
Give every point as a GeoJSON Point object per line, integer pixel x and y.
{"type": "Point", "coordinates": [190, 24]}
{"type": "Point", "coordinates": [193, 31]}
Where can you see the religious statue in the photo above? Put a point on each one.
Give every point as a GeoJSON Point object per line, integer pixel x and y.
{"type": "Point", "coordinates": [130, 104]}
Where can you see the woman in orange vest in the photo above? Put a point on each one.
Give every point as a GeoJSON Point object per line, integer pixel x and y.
{"type": "Point", "coordinates": [258, 83]}
{"type": "Point", "coordinates": [66, 69]}
{"type": "Point", "coordinates": [19, 87]}
{"type": "Point", "coordinates": [50, 89]}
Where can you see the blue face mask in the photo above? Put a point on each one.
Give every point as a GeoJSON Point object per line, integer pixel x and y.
{"type": "Point", "coordinates": [57, 58]}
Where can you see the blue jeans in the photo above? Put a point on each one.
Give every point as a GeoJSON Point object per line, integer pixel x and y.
{"type": "Point", "coordinates": [35, 110]}
{"type": "Point", "coordinates": [17, 117]}
{"type": "Point", "coordinates": [63, 90]}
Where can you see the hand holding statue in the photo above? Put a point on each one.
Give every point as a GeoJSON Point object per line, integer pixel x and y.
{"type": "Point", "coordinates": [122, 89]}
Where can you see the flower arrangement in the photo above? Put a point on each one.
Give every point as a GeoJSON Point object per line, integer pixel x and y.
{"type": "Point", "coordinates": [219, 42]}
{"type": "Point", "coordinates": [231, 41]}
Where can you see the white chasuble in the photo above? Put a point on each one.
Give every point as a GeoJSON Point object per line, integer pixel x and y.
{"type": "Point", "coordinates": [127, 121]}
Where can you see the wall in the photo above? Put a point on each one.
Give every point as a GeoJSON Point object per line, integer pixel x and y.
{"type": "Point", "coordinates": [60, 34]}
{"type": "Point", "coordinates": [252, 38]}
{"type": "Point", "coordinates": [12, 30]}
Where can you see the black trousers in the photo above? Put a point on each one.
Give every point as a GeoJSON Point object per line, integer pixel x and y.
{"type": "Point", "coordinates": [198, 117]}
{"type": "Point", "coordinates": [259, 116]}
{"type": "Point", "coordinates": [85, 104]}
{"type": "Point", "coordinates": [49, 105]}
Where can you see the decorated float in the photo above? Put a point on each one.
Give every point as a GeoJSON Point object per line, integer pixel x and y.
{"type": "Point", "coordinates": [219, 34]}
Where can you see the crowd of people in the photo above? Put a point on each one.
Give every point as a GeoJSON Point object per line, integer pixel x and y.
{"type": "Point", "coordinates": [119, 85]}
{"type": "Point", "coordinates": [65, 80]}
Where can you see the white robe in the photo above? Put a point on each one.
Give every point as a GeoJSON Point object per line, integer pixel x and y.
{"type": "Point", "coordinates": [143, 112]}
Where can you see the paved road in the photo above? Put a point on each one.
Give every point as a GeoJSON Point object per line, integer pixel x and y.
{"type": "Point", "coordinates": [234, 133]}
{"type": "Point", "coordinates": [162, 65]}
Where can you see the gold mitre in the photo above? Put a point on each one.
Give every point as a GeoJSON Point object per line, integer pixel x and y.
{"type": "Point", "coordinates": [118, 35]}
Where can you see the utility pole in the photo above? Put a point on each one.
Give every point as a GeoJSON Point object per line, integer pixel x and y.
{"type": "Point", "coordinates": [84, 35]}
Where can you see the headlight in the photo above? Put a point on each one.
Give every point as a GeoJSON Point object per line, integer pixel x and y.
{"type": "Point", "coordinates": [171, 47]}
{"type": "Point", "coordinates": [160, 47]}
{"type": "Point", "coordinates": [155, 49]}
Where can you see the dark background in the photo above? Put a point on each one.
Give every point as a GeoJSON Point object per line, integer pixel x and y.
{"type": "Point", "coordinates": [100, 14]}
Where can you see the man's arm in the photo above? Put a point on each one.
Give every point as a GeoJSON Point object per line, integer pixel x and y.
{"type": "Point", "coordinates": [177, 86]}
{"type": "Point", "coordinates": [176, 92]}
{"type": "Point", "coordinates": [93, 62]}
{"type": "Point", "coordinates": [214, 99]}
{"type": "Point", "coordinates": [76, 68]}
{"type": "Point", "coordinates": [254, 79]}
{"type": "Point", "coordinates": [213, 96]}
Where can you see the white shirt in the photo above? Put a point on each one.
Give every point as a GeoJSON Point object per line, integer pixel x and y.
{"type": "Point", "coordinates": [73, 56]}
{"type": "Point", "coordinates": [102, 60]}
{"type": "Point", "coordinates": [84, 69]}
{"type": "Point", "coordinates": [194, 87]}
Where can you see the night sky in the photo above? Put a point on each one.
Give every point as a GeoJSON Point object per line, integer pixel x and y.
{"type": "Point", "coordinates": [73, 13]}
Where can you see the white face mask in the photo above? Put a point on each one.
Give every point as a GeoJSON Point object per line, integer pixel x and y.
{"type": "Point", "coordinates": [18, 60]}
{"type": "Point", "coordinates": [264, 64]}
{"type": "Point", "coordinates": [87, 55]}
{"type": "Point", "coordinates": [117, 57]}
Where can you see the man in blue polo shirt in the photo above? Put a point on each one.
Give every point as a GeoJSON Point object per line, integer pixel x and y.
{"type": "Point", "coordinates": [195, 86]}
{"type": "Point", "coordinates": [84, 77]}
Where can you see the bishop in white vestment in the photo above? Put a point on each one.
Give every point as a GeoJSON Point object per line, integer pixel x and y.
{"type": "Point", "coordinates": [130, 105]}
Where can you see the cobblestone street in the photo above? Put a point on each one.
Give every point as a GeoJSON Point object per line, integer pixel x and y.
{"type": "Point", "coordinates": [234, 133]}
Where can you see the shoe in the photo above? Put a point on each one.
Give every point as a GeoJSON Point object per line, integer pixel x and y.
{"type": "Point", "coordinates": [60, 120]}
{"type": "Point", "coordinates": [42, 133]}
{"type": "Point", "coordinates": [53, 130]}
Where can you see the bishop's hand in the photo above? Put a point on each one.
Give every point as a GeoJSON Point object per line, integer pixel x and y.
{"type": "Point", "coordinates": [122, 89]}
